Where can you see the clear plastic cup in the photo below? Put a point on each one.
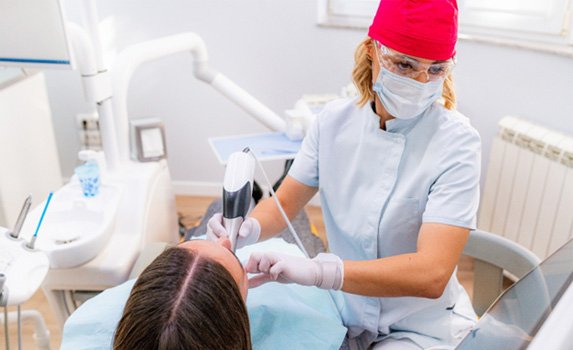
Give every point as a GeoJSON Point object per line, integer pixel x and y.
{"type": "Point", "coordinates": [88, 174]}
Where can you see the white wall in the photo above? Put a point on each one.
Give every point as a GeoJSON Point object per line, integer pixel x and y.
{"type": "Point", "coordinates": [275, 50]}
{"type": "Point", "coordinates": [494, 81]}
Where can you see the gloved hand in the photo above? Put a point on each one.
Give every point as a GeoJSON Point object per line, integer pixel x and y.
{"type": "Point", "coordinates": [325, 271]}
{"type": "Point", "coordinates": [249, 232]}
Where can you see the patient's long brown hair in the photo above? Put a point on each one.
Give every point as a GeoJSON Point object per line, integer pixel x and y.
{"type": "Point", "coordinates": [184, 301]}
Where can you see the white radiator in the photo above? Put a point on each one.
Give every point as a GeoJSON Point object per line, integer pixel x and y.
{"type": "Point", "coordinates": [528, 193]}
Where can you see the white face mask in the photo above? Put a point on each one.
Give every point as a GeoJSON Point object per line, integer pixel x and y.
{"type": "Point", "coordinates": [405, 98]}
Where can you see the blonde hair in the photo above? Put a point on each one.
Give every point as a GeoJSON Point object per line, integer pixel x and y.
{"type": "Point", "coordinates": [362, 78]}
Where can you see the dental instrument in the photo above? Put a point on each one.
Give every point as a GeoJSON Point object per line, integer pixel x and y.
{"type": "Point", "coordinates": [237, 193]}
{"type": "Point", "coordinates": [21, 217]}
{"type": "Point", "coordinates": [32, 242]}
{"type": "Point", "coordinates": [22, 270]}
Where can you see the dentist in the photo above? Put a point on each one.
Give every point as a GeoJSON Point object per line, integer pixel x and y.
{"type": "Point", "coordinates": [397, 169]}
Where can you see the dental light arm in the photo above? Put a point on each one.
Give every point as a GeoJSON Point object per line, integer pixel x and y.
{"type": "Point", "coordinates": [134, 56]}
{"type": "Point", "coordinates": [97, 89]}
{"type": "Point", "coordinates": [88, 57]}
{"type": "Point", "coordinates": [248, 103]}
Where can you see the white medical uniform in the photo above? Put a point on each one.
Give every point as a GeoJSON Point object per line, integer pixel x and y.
{"type": "Point", "coordinates": [376, 188]}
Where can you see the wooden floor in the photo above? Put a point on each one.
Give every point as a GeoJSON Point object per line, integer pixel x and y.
{"type": "Point", "coordinates": [190, 210]}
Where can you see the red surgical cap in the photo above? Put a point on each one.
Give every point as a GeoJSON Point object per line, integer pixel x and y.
{"type": "Point", "coordinates": [421, 28]}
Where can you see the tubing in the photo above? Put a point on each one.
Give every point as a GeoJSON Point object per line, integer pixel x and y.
{"type": "Point", "coordinates": [41, 334]}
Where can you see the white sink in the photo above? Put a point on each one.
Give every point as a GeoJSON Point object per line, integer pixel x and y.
{"type": "Point", "coordinates": [75, 228]}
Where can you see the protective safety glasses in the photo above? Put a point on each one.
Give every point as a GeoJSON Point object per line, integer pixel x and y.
{"type": "Point", "coordinates": [410, 67]}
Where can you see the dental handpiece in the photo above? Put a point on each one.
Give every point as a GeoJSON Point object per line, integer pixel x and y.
{"type": "Point", "coordinates": [21, 217]}
{"type": "Point", "coordinates": [237, 192]}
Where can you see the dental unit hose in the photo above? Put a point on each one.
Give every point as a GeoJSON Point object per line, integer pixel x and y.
{"type": "Point", "coordinates": [4, 303]}
{"type": "Point", "coordinates": [6, 328]}
{"type": "Point", "coordinates": [279, 206]}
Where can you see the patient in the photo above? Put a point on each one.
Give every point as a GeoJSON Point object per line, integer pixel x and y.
{"type": "Point", "coordinates": [190, 297]}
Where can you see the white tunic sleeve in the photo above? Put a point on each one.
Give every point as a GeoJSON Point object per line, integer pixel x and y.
{"type": "Point", "coordinates": [454, 195]}
{"type": "Point", "coordinates": [305, 166]}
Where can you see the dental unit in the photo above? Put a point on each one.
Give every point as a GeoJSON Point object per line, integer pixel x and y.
{"type": "Point", "coordinates": [90, 244]}
{"type": "Point", "coordinates": [22, 270]}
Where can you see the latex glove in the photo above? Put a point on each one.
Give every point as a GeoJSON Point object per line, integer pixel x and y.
{"type": "Point", "coordinates": [325, 271]}
{"type": "Point", "coordinates": [249, 232]}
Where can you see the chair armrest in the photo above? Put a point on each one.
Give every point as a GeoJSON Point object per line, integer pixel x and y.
{"type": "Point", "coordinates": [501, 252]}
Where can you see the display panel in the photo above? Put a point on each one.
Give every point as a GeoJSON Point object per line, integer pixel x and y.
{"type": "Point", "coordinates": [32, 34]}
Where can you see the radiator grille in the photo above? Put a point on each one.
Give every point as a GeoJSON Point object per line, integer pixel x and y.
{"type": "Point", "coordinates": [528, 193]}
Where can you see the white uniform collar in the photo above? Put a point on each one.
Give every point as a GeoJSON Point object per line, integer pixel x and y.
{"type": "Point", "coordinates": [398, 126]}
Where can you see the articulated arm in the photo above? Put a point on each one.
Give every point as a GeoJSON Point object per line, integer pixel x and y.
{"type": "Point", "coordinates": [134, 56]}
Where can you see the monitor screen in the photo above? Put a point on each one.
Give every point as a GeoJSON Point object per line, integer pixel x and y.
{"type": "Point", "coordinates": [517, 315]}
{"type": "Point", "coordinates": [32, 34]}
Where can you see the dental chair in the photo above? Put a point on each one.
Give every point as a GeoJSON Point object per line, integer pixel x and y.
{"type": "Point", "coordinates": [308, 312]}
{"type": "Point", "coordinates": [534, 312]}
{"type": "Point", "coordinates": [495, 257]}
{"type": "Point", "coordinates": [275, 307]}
